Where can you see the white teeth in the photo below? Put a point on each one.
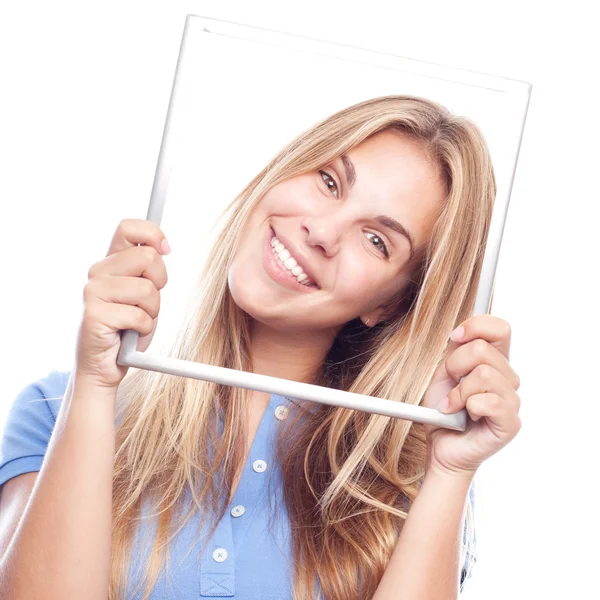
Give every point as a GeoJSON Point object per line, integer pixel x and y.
{"type": "Point", "coordinates": [289, 262]}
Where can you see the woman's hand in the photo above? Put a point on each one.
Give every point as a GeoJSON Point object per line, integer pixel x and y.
{"type": "Point", "coordinates": [123, 292]}
{"type": "Point", "coordinates": [488, 392]}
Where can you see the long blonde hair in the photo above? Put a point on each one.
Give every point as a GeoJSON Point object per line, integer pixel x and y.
{"type": "Point", "coordinates": [360, 471]}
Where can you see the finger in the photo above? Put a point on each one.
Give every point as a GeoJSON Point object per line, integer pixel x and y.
{"type": "Point", "coordinates": [501, 419]}
{"type": "Point", "coordinates": [490, 328]}
{"type": "Point", "coordinates": [134, 261]}
{"type": "Point", "coordinates": [131, 232]}
{"type": "Point", "coordinates": [136, 291]}
{"type": "Point", "coordinates": [483, 380]}
{"type": "Point", "coordinates": [467, 357]}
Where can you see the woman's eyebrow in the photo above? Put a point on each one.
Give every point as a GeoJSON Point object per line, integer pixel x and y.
{"type": "Point", "coordinates": [398, 228]}
{"type": "Point", "coordinates": [350, 170]}
{"type": "Point", "coordinates": [383, 220]}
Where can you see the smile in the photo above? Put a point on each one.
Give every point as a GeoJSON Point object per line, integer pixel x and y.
{"type": "Point", "coordinates": [283, 268]}
{"type": "Point", "coordinates": [289, 263]}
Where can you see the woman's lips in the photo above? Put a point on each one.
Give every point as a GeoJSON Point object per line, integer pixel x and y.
{"type": "Point", "coordinates": [276, 271]}
{"type": "Point", "coordinates": [296, 253]}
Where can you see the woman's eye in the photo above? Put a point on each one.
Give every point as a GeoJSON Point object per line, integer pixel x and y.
{"type": "Point", "coordinates": [332, 186]}
{"type": "Point", "coordinates": [329, 181]}
{"type": "Point", "coordinates": [383, 246]}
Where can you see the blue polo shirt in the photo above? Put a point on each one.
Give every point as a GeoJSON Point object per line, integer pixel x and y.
{"type": "Point", "coordinates": [245, 559]}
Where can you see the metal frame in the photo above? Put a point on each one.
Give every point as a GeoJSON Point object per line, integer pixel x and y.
{"type": "Point", "coordinates": [129, 356]}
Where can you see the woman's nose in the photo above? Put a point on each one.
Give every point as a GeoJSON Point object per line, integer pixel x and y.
{"type": "Point", "coordinates": [324, 233]}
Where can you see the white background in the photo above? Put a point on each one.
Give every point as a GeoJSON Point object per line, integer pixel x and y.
{"type": "Point", "coordinates": [84, 94]}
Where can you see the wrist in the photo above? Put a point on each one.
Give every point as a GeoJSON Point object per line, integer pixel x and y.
{"type": "Point", "coordinates": [84, 389]}
{"type": "Point", "coordinates": [88, 382]}
{"type": "Point", "coordinates": [439, 472]}
{"type": "Point", "coordinates": [83, 401]}
{"type": "Point", "coordinates": [432, 465]}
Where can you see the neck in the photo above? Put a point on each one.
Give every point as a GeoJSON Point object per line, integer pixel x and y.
{"type": "Point", "coordinates": [295, 356]}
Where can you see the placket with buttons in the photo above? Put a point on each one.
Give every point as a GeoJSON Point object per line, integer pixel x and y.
{"type": "Point", "coordinates": [217, 572]}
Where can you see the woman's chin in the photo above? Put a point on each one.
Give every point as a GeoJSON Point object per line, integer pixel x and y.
{"type": "Point", "coordinates": [251, 296]}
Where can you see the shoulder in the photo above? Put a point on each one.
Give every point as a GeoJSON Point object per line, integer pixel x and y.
{"type": "Point", "coordinates": [29, 423]}
{"type": "Point", "coordinates": [41, 397]}
{"type": "Point", "coordinates": [469, 538]}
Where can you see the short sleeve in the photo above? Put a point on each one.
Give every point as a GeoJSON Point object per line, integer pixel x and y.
{"type": "Point", "coordinates": [469, 541]}
{"type": "Point", "coordinates": [29, 425]}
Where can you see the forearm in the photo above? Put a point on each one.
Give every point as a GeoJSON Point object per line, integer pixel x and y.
{"type": "Point", "coordinates": [62, 545]}
{"type": "Point", "coordinates": [425, 561]}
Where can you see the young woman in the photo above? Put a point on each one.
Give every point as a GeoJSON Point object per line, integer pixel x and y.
{"type": "Point", "coordinates": [346, 263]}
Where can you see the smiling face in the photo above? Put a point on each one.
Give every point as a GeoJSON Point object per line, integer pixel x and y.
{"type": "Point", "coordinates": [343, 224]}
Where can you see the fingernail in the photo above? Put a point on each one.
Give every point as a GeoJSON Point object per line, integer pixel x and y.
{"type": "Point", "coordinates": [444, 404]}
{"type": "Point", "coordinates": [457, 334]}
{"type": "Point", "coordinates": [165, 246]}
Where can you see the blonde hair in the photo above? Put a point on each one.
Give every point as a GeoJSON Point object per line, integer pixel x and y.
{"type": "Point", "coordinates": [361, 471]}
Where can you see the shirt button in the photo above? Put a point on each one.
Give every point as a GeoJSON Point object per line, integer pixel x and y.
{"type": "Point", "coordinates": [281, 412]}
{"type": "Point", "coordinates": [238, 511]}
{"type": "Point", "coordinates": [259, 465]}
{"type": "Point", "coordinates": [220, 554]}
